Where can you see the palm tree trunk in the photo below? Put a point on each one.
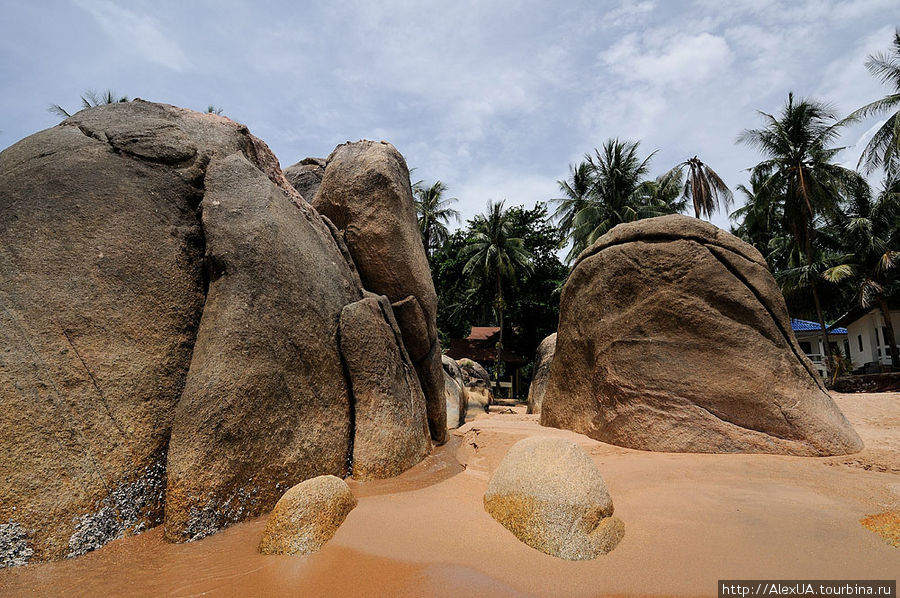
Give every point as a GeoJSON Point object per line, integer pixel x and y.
{"type": "Point", "coordinates": [826, 347]}
{"type": "Point", "coordinates": [889, 338]}
{"type": "Point", "coordinates": [500, 338]}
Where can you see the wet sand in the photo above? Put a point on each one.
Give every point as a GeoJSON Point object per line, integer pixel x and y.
{"type": "Point", "coordinates": [689, 520]}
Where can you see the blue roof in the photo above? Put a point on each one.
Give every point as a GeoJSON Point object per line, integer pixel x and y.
{"type": "Point", "coordinates": [798, 325]}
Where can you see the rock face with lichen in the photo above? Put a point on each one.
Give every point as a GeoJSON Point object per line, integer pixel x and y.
{"type": "Point", "coordinates": [551, 496]}
{"type": "Point", "coordinates": [307, 516]}
{"type": "Point", "coordinates": [542, 360]}
{"type": "Point", "coordinates": [366, 193]}
{"type": "Point", "coordinates": [169, 326]}
{"type": "Point", "coordinates": [673, 336]}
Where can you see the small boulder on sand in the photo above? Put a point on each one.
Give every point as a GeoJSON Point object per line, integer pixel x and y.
{"type": "Point", "coordinates": [551, 496]}
{"type": "Point", "coordinates": [307, 516]}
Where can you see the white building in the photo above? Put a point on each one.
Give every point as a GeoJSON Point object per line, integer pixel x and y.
{"type": "Point", "coordinates": [866, 332]}
{"type": "Point", "coordinates": [809, 336]}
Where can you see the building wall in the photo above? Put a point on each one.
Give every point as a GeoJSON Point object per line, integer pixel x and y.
{"type": "Point", "coordinates": [816, 351]}
{"type": "Point", "coordinates": [867, 331]}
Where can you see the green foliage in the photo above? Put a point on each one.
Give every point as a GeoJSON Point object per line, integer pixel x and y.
{"type": "Point", "coordinates": [533, 311]}
{"type": "Point", "coordinates": [706, 189]}
{"type": "Point", "coordinates": [433, 213]}
{"type": "Point", "coordinates": [610, 187]}
{"type": "Point", "coordinates": [90, 99]}
{"type": "Point", "coordinates": [458, 306]}
{"type": "Point", "coordinates": [883, 150]}
{"type": "Point", "coordinates": [799, 173]}
{"type": "Point", "coordinates": [530, 298]}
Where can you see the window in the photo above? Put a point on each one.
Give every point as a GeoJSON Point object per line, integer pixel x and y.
{"type": "Point", "coordinates": [806, 347]}
{"type": "Point", "coordinates": [859, 340]}
{"type": "Point", "coordinates": [884, 334]}
{"type": "Point", "coordinates": [877, 342]}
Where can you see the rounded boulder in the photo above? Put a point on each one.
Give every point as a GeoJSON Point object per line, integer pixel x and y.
{"type": "Point", "coordinates": [551, 496]}
{"type": "Point", "coordinates": [307, 516]}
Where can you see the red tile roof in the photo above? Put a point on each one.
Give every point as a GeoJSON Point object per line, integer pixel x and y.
{"type": "Point", "coordinates": [483, 333]}
{"type": "Point", "coordinates": [480, 346]}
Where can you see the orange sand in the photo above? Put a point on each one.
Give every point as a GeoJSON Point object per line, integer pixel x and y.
{"type": "Point", "coordinates": [689, 520]}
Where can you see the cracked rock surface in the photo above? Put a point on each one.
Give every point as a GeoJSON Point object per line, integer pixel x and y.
{"type": "Point", "coordinates": [391, 427]}
{"type": "Point", "coordinates": [265, 405]}
{"type": "Point", "coordinates": [169, 312]}
{"type": "Point", "coordinates": [673, 336]}
{"type": "Point", "coordinates": [366, 193]}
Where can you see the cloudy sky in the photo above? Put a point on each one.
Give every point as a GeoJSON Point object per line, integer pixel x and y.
{"type": "Point", "coordinates": [494, 98]}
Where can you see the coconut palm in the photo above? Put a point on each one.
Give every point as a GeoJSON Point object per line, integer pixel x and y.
{"type": "Point", "coordinates": [496, 259]}
{"type": "Point", "coordinates": [90, 99]}
{"type": "Point", "coordinates": [799, 171]}
{"type": "Point", "coordinates": [870, 231]}
{"type": "Point", "coordinates": [607, 189]}
{"type": "Point", "coordinates": [706, 189]}
{"type": "Point", "coordinates": [433, 213]}
{"type": "Point", "coordinates": [759, 219]}
{"type": "Point", "coordinates": [576, 192]}
{"type": "Point", "coordinates": [883, 150]}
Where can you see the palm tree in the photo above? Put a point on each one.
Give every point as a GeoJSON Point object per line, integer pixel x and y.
{"type": "Point", "coordinates": [759, 219]}
{"type": "Point", "coordinates": [706, 189]}
{"type": "Point", "coordinates": [607, 189]}
{"type": "Point", "coordinates": [576, 192]}
{"type": "Point", "coordinates": [90, 99]}
{"type": "Point", "coordinates": [497, 259]}
{"type": "Point", "coordinates": [433, 213]}
{"type": "Point", "coordinates": [883, 150]}
{"type": "Point", "coordinates": [870, 231]}
{"type": "Point", "coordinates": [798, 169]}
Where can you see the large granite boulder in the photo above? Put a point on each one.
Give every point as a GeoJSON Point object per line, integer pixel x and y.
{"type": "Point", "coordinates": [265, 404]}
{"type": "Point", "coordinates": [542, 360]}
{"type": "Point", "coordinates": [169, 345]}
{"type": "Point", "coordinates": [673, 336]}
{"type": "Point", "coordinates": [367, 195]}
{"type": "Point", "coordinates": [102, 286]}
{"type": "Point", "coordinates": [391, 426]}
{"type": "Point", "coordinates": [306, 176]}
{"type": "Point", "coordinates": [551, 496]}
{"type": "Point", "coordinates": [307, 516]}
{"type": "Point", "coordinates": [455, 393]}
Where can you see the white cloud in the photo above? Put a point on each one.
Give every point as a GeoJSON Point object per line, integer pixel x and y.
{"type": "Point", "coordinates": [628, 12]}
{"type": "Point", "coordinates": [135, 31]}
{"type": "Point", "coordinates": [681, 60]}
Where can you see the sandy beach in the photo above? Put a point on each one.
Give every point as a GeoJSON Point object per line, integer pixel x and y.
{"type": "Point", "coordinates": [690, 519]}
